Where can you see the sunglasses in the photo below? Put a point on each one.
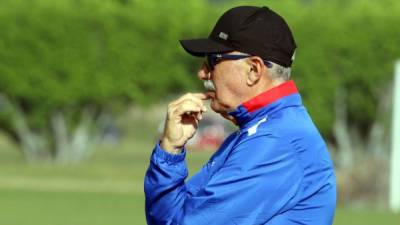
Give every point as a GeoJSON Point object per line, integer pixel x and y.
{"type": "Point", "coordinates": [214, 59]}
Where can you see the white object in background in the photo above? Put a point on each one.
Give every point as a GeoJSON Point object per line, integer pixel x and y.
{"type": "Point", "coordinates": [394, 197]}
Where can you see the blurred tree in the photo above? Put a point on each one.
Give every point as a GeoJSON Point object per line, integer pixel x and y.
{"type": "Point", "coordinates": [344, 66]}
{"type": "Point", "coordinates": [348, 49]}
{"type": "Point", "coordinates": [65, 65]}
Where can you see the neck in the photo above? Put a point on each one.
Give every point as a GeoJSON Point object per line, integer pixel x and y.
{"type": "Point", "coordinates": [266, 103]}
{"type": "Point", "coordinates": [262, 87]}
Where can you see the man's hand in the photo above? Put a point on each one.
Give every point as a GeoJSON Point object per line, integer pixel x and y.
{"type": "Point", "coordinates": [182, 119]}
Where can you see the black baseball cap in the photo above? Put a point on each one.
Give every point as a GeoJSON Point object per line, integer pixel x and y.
{"type": "Point", "coordinates": [253, 30]}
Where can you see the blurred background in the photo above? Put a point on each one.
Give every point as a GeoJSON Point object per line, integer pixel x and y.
{"type": "Point", "coordinates": [84, 86]}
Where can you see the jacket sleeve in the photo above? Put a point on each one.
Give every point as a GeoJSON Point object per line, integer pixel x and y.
{"type": "Point", "coordinates": [260, 178]}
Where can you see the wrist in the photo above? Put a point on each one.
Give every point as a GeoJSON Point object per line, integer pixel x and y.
{"type": "Point", "coordinates": [170, 148]}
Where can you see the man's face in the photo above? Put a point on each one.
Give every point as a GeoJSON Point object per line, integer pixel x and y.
{"type": "Point", "coordinates": [229, 79]}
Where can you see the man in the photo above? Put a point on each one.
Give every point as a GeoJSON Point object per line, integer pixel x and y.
{"type": "Point", "coordinates": [276, 168]}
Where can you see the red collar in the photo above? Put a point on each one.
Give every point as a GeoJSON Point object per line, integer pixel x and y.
{"type": "Point", "coordinates": [271, 95]}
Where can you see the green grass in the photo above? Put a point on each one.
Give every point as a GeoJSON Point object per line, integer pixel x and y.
{"type": "Point", "coordinates": [24, 206]}
{"type": "Point", "coordinates": [107, 189]}
{"type": "Point", "coordinates": [20, 207]}
{"type": "Point", "coordinates": [365, 217]}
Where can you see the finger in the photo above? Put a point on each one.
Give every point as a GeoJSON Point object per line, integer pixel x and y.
{"type": "Point", "coordinates": [188, 117]}
{"type": "Point", "coordinates": [190, 101]}
{"type": "Point", "coordinates": [188, 96]}
{"type": "Point", "coordinates": [186, 107]}
{"type": "Point", "coordinates": [202, 96]}
{"type": "Point", "coordinates": [196, 97]}
{"type": "Point", "coordinates": [196, 115]}
{"type": "Point", "coordinates": [199, 116]}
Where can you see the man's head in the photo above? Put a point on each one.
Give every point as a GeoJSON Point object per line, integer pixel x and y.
{"type": "Point", "coordinates": [249, 51]}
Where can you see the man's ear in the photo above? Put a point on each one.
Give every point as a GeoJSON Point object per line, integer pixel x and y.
{"type": "Point", "coordinates": [255, 71]}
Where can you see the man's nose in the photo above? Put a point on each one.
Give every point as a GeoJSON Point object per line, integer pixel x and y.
{"type": "Point", "coordinates": [203, 73]}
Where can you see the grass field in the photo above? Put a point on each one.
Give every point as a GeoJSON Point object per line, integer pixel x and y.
{"type": "Point", "coordinates": [105, 190]}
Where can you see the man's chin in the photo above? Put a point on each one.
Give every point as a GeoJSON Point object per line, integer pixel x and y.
{"type": "Point", "coordinates": [218, 107]}
{"type": "Point", "coordinates": [223, 111]}
{"type": "Point", "coordinates": [215, 106]}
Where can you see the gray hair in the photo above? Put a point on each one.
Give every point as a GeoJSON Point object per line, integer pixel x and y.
{"type": "Point", "coordinates": [279, 73]}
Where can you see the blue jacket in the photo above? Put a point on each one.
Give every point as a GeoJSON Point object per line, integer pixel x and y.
{"type": "Point", "coordinates": [274, 170]}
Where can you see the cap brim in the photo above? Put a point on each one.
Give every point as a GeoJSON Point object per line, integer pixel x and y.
{"type": "Point", "coordinates": [201, 47]}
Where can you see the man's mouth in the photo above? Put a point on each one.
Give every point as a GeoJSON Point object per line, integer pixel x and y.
{"type": "Point", "coordinates": [211, 94]}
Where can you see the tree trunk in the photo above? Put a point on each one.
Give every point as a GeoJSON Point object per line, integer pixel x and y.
{"type": "Point", "coordinates": [33, 144]}
{"type": "Point", "coordinates": [341, 130]}
{"type": "Point", "coordinates": [62, 143]}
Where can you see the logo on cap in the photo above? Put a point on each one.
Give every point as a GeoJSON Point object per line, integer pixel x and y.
{"type": "Point", "coordinates": [223, 35]}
